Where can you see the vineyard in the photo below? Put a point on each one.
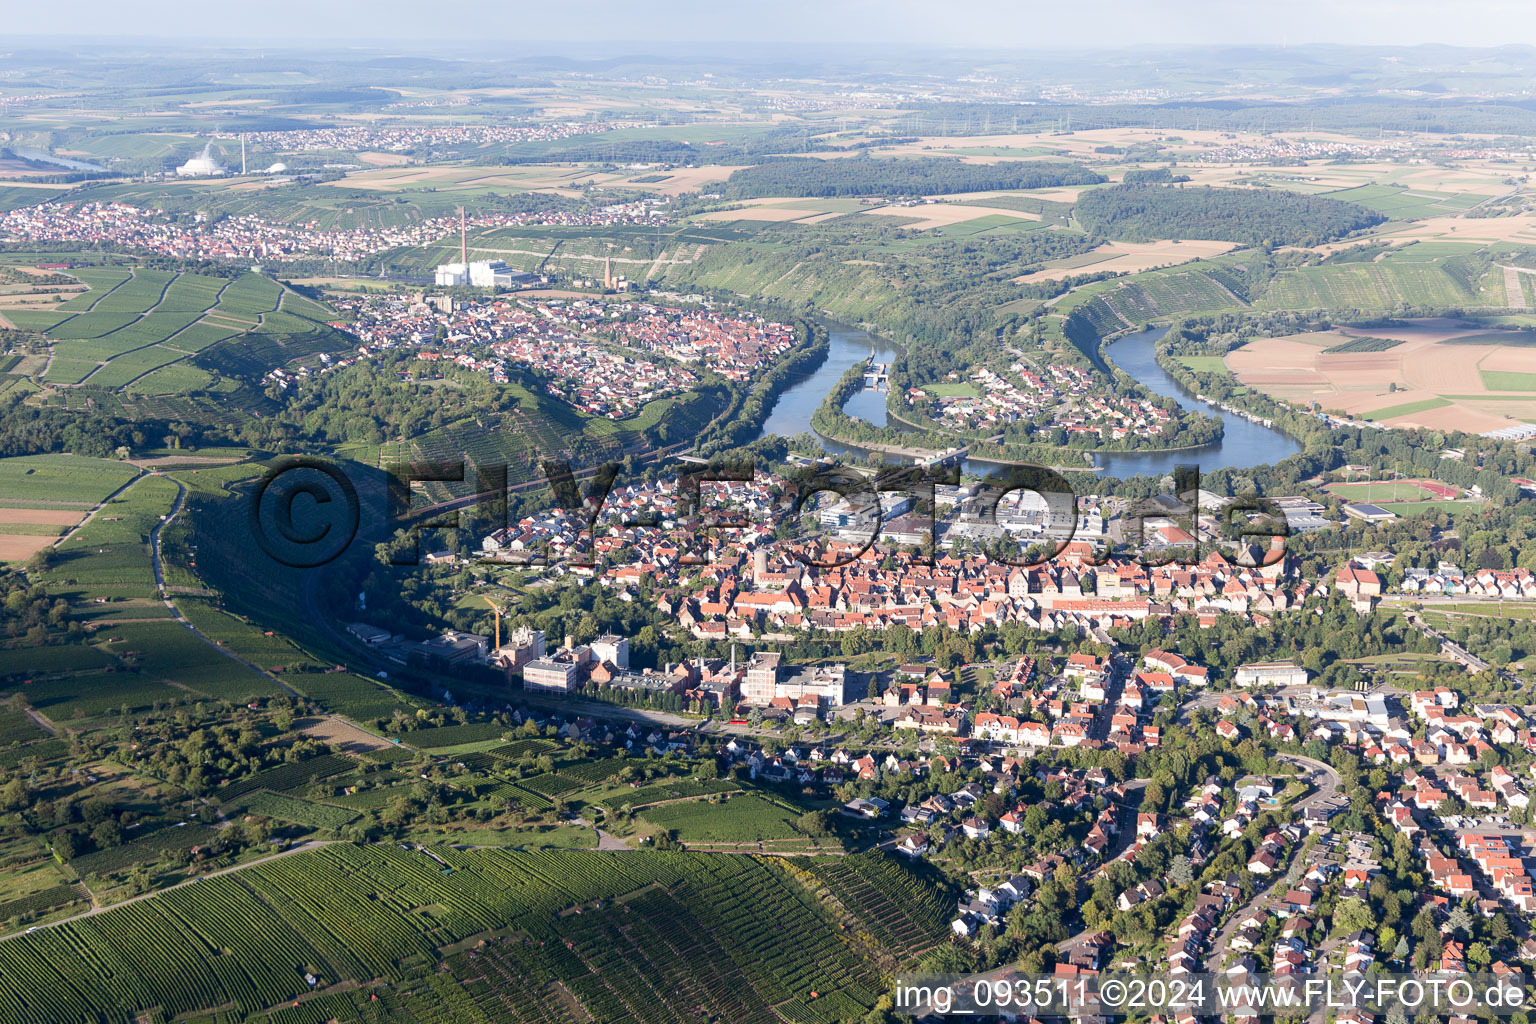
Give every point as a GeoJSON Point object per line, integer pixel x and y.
{"type": "Point", "coordinates": [519, 749]}
{"type": "Point", "coordinates": [142, 849]}
{"type": "Point", "coordinates": [135, 325]}
{"type": "Point", "coordinates": [301, 812]}
{"type": "Point", "coordinates": [1367, 286]}
{"type": "Point", "coordinates": [662, 937]}
{"type": "Point", "coordinates": [550, 785]}
{"type": "Point", "coordinates": [285, 777]}
{"type": "Point", "coordinates": [592, 773]}
{"type": "Point", "coordinates": [896, 909]}
{"type": "Point", "coordinates": [672, 789]}
{"type": "Point", "coordinates": [748, 818]}
{"type": "Point", "coordinates": [454, 735]}
{"type": "Point", "coordinates": [41, 902]}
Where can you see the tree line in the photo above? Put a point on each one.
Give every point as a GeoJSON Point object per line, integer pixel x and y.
{"type": "Point", "coordinates": [867, 176]}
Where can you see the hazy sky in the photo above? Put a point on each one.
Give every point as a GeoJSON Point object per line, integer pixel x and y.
{"type": "Point", "coordinates": [991, 24]}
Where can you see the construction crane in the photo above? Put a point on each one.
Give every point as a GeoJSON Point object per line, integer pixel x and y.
{"type": "Point", "coordinates": [495, 608]}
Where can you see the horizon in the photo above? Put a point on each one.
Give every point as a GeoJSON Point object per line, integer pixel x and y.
{"type": "Point", "coordinates": [981, 27]}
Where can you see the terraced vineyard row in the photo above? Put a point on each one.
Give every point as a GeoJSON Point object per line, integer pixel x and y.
{"type": "Point", "coordinates": [899, 911]}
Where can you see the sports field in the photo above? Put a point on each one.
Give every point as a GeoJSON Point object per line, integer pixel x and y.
{"type": "Point", "coordinates": [1376, 492]}
{"type": "Point", "coordinates": [1442, 374]}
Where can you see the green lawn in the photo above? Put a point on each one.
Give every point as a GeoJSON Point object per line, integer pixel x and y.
{"type": "Point", "coordinates": [1507, 610]}
{"type": "Point", "coordinates": [952, 389]}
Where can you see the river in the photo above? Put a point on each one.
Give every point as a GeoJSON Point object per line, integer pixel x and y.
{"type": "Point", "coordinates": [58, 161]}
{"type": "Point", "coordinates": [1243, 443]}
{"type": "Point", "coordinates": [846, 346]}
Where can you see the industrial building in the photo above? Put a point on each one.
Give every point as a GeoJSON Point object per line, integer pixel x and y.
{"type": "Point", "coordinates": [481, 274]}
{"type": "Point", "coordinates": [201, 166]}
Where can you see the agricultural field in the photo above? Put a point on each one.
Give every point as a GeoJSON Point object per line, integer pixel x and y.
{"type": "Point", "coordinates": [301, 812]}
{"type": "Point", "coordinates": [294, 775]}
{"type": "Point", "coordinates": [43, 496]}
{"type": "Point", "coordinates": [154, 845]}
{"type": "Point", "coordinates": [108, 558]}
{"type": "Point", "coordinates": [1401, 203]}
{"type": "Point", "coordinates": [1441, 374]}
{"type": "Point", "coordinates": [1128, 258]}
{"type": "Point", "coordinates": [139, 330]}
{"type": "Point", "coordinates": [668, 923]}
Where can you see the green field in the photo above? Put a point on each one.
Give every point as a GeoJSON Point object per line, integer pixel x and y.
{"type": "Point", "coordinates": [952, 389]}
{"type": "Point", "coordinates": [1386, 490]}
{"type": "Point", "coordinates": [1205, 364]}
{"type": "Point", "coordinates": [1413, 508]}
{"type": "Point", "coordinates": [1508, 380]}
{"type": "Point", "coordinates": [1408, 204]}
{"type": "Point", "coordinates": [1406, 409]}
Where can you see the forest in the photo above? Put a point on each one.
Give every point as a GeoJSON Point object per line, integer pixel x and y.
{"type": "Point", "coordinates": [866, 176]}
{"type": "Point", "coordinates": [1143, 213]}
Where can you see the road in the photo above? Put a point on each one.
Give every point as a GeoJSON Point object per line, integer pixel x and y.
{"type": "Point", "coordinates": [1325, 792]}
{"type": "Point", "coordinates": [300, 848]}
{"type": "Point", "coordinates": [1261, 893]}
{"type": "Point", "coordinates": [156, 560]}
{"type": "Point", "coordinates": [43, 723]}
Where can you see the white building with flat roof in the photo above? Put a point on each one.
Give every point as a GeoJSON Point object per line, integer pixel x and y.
{"type": "Point", "coordinates": [1271, 673]}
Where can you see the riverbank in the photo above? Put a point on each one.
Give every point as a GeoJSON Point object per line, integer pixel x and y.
{"type": "Point", "coordinates": [1243, 443]}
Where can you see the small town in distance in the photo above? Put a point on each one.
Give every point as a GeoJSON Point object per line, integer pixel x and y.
{"type": "Point", "coordinates": [658, 530]}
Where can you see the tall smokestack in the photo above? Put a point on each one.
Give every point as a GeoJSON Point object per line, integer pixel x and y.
{"type": "Point", "coordinates": [242, 154]}
{"type": "Point", "coordinates": [463, 240]}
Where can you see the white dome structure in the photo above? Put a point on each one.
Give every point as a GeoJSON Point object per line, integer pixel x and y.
{"type": "Point", "coordinates": [200, 166]}
{"type": "Point", "coordinates": [277, 168]}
